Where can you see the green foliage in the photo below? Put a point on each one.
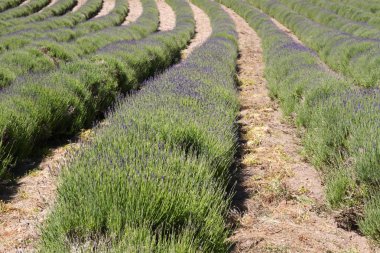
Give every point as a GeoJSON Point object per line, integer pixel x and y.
{"type": "Point", "coordinates": [44, 55]}
{"type": "Point", "coordinates": [24, 10]}
{"type": "Point", "coordinates": [37, 108]}
{"type": "Point", "coordinates": [340, 120]}
{"type": "Point", "coordinates": [158, 170]}
{"type": "Point", "coordinates": [6, 76]}
{"type": "Point", "coordinates": [370, 225]}
{"type": "Point", "coordinates": [6, 4]}
{"type": "Point", "coordinates": [351, 55]}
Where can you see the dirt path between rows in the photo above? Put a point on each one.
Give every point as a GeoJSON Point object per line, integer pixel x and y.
{"type": "Point", "coordinates": [280, 203]}
{"type": "Point", "coordinates": [167, 16]}
{"type": "Point", "coordinates": [203, 30]}
{"type": "Point", "coordinates": [80, 3]}
{"type": "Point", "coordinates": [24, 3]}
{"type": "Point", "coordinates": [25, 204]}
{"type": "Point", "coordinates": [107, 7]}
{"type": "Point", "coordinates": [135, 11]}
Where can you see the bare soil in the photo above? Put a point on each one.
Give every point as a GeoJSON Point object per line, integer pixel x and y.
{"type": "Point", "coordinates": [107, 7]}
{"type": "Point", "coordinates": [135, 11]}
{"type": "Point", "coordinates": [79, 4]}
{"type": "Point", "coordinates": [24, 205]}
{"type": "Point", "coordinates": [25, 2]}
{"type": "Point", "coordinates": [167, 16]}
{"type": "Point", "coordinates": [203, 30]}
{"type": "Point", "coordinates": [280, 201]}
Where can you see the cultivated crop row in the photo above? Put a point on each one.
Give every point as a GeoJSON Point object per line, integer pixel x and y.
{"type": "Point", "coordinates": [64, 101]}
{"type": "Point", "coordinates": [115, 18]}
{"type": "Point", "coordinates": [57, 9]}
{"type": "Point", "coordinates": [370, 6]}
{"type": "Point", "coordinates": [45, 55]}
{"type": "Point", "coordinates": [39, 30]}
{"type": "Point", "coordinates": [326, 17]}
{"type": "Point", "coordinates": [7, 4]}
{"type": "Point", "coordinates": [349, 12]}
{"type": "Point", "coordinates": [23, 27]}
{"type": "Point", "coordinates": [24, 10]}
{"type": "Point", "coordinates": [355, 57]}
{"type": "Point", "coordinates": [341, 121]}
{"type": "Point", "coordinates": [154, 178]}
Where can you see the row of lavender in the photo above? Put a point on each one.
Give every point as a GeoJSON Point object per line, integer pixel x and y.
{"type": "Point", "coordinates": [24, 10]}
{"type": "Point", "coordinates": [7, 4]}
{"type": "Point", "coordinates": [46, 54]}
{"type": "Point", "coordinates": [154, 178]}
{"type": "Point", "coordinates": [326, 17]}
{"type": "Point", "coordinates": [66, 27]}
{"type": "Point", "coordinates": [39, 107]}
{"type": "Point", "coordinates": [355, 57]}
{"type": "Point", "coordinates": [61, 7]}
{"type": "Point", "coordinates": [350, 11]}
{"type": "Point", "coordinates": [341, 121]}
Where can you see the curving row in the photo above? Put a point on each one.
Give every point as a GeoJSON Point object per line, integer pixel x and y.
{"type": "Point", "coordinates": [7, 4]}
{"type": "Point", "coordinates": [326, 17]}
{"type": "Point", "coordinates": [341, 121]}
{"type": "Point", "coordinates": [370, 6]}
{"type": "Point", "coordinates": [25, 27]}
{"type": "Point", "coordinates": [349, 12]}
{"type": "Point", "coordinates": [38, 107]}
{"type": "Point", "coordinates": [24, 10]}
{"type": "Point", "coordinates": [46, 55]}
{"type": "Point", "coordinates": [154, 178]}
{"type": "Point", "coordinates": [57, 9]}
{"type": "Point", "coordinates": [70, 25]}
{"type": "Point", "coordinates": [355, 57]}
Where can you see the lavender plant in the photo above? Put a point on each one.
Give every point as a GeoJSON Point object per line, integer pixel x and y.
{"type": "Point", "coordinates": [16, 31]}
{"type": "Point", "coordinates": [57, 9]}
{"type": "Point", "coordinates": [340, 120]}
{"type": "Point", "coordinates": [349, 11]}
{"type": "Point", "coordinates": [44, 55]}
{"type": "Point", "coordinates": [24, 10]}
{"type": "Point", "coordinates": [39, 107]}
{"type": "Point", "coordinates": [355, 57]}
{"type": "Point", "coordinates": [7, 4]}
{"type": "Point", "coordinates": [154, 178]}
{"type": "Point", "coordinates": [326, 17]}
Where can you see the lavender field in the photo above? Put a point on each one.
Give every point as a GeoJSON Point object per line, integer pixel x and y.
{"type": "Point", "coordinates": [189, 126]}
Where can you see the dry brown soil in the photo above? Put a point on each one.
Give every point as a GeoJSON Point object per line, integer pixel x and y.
{"type": "Point", "coordinates": [280, 203]}
{"type": "Point", "coordinates": [22, 211]}
{"type": "Point", "coordinates": [25, 2]}
{"type": "Point", "coordinates": [167, 16]}
{"type": "Point", "coordinates": [79, 4]}
{"type": "Point", "coordinates": [203, 30]}
{"type": "Point", "coordinates": [135, 11]}
{"type": "Point", "coordinates": [107, 7]}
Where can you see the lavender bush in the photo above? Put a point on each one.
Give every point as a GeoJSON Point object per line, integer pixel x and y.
{"type": "Point", "coordinates": [46, 54]}
{"type": "Point", "coordinates": [62, 102]}
{"type": "Point", "coordinates": [154, 178]}
{"type": "Point", "coordinates": [355, 57]}
{"type": "Point", "coordinates": [341, 121]}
